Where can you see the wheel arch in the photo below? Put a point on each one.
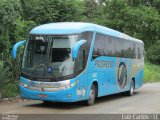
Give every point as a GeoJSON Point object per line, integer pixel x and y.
{"type": "Point", "coordinates": [134, 80]}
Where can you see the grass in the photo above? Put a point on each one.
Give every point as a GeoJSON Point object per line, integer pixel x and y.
{"type": "Point", "coordinates": [11, 90]}
{"type": "Point", "coordinates": [8, 86]}
{"type": "Point", "coordinates": [151, 73]}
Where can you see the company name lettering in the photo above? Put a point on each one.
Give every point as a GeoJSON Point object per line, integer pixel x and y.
{"type": "Point", "coordinates": [103, 64]}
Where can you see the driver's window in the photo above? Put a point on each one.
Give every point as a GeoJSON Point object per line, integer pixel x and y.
{"type": "Point", "coordinates": [84, 50]}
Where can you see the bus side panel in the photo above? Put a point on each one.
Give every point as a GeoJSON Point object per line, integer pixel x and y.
{"type": "Point", "coordinates": [122, 73]}
{"type": "Point", "coordinates": [107, 72]}
{"type": "Point", "coordinates": [102, 70]}
{"type": "Point", "coordinates": [81, 87]}
{"type": "Point", "coordinates": [96, 76]}
{"type": "Point", "coordinates": [136, 71]}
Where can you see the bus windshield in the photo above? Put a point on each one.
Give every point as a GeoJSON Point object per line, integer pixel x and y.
{"type": "Point", "coordinates": [49, 56]}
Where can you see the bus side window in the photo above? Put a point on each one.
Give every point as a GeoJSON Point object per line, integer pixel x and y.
{"type": "Point", "coordinates": [99, 46]}
{"type": "Point", "coordinates": [83, 54]}
{"type": "Point", "coordinates": [109, 46]}
{"type": "Point", "coordinates": [130, 50]}
{"type": "Point", "coordinates": [118, 47]}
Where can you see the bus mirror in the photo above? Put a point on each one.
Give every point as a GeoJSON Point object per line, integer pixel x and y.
{"type": "Point", "coordinates": [76, 47]}
{"type": "Point", "coordinates": [15, 47]}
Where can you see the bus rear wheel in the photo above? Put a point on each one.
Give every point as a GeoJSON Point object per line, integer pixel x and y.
{"type": "Point", "coordinates": [92, 96]}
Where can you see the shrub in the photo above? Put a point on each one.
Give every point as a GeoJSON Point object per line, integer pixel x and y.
{"type": "Point", "coordinates": [151, 73]}
{"type": "Point", "coordinates": [153, 53]}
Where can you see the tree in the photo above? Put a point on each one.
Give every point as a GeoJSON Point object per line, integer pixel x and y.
{"type": "Point", "coordinates": [141, 22]}
{"type": "Point", "coordinates": [9, 12]}
{"type": "Point", "coordinates": [149, 3]}
{"type": "Point", "coordinates": [114, 13]}
{"type": "Point", "coordinates": [153, 53]}
{"type": "Point", "coordinates": [47, 11]}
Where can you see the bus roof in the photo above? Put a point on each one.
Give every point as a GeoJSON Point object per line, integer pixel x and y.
{"type": "Point", "coordinates": [77, 27]}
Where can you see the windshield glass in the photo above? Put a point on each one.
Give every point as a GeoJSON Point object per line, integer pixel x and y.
{"type": "Point", "coordinates": [48, 57]}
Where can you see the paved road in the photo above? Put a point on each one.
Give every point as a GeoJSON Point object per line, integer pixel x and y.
{"type": "Point", "coordinates": [146, 100]}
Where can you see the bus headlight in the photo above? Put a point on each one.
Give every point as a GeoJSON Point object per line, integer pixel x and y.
{"type": "Point", "coordinates": [71, 85]}
{"type": "Point", "coordinates": [24, 85]}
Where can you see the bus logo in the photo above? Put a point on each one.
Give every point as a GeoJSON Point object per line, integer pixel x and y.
{"type": "Point", "coordinates": [122, 75]}
{"type": "Point", "coordinates": [50, 69]}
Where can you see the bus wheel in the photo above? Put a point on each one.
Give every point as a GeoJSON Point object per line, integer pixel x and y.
{"type": "Point", "coordinates": [47, 102]}
{"type": "Point", "coordinates": [92, 96]}
{"type": "Point", "coordinates": [131, 90]}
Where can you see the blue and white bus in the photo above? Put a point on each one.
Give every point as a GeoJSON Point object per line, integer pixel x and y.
{"type": "Point", "coordinates": [73, 61]}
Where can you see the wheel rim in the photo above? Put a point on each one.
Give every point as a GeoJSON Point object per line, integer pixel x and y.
{"type": "Point", "coordinates": [91, 95]}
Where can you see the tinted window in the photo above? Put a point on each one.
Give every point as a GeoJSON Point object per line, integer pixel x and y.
{"type": "Point", "coordinates": [116, 47]}
{"type": "Point", "coordinates": [108, 46]}
{"type": "Point", "coordinates": [129, 49]}
{"type": "Point", "coordinates": [99, 46]}
{"type": "Point", "coordinates": [140, 51]}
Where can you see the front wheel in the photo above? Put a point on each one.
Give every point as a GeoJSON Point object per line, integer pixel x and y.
{"type": "Point", "coordinates": [131, 90]}
{"type": "Point", "coordinates": [92, 96]}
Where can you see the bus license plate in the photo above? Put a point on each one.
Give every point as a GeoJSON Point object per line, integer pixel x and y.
{"type": "Point", "coordinates": [43, 95]}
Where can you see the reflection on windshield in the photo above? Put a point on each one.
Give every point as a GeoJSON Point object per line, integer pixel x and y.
{"type": "Point", "coordinates": [49, 56]}
{"type": "Point", "coordinates": [66, 67]}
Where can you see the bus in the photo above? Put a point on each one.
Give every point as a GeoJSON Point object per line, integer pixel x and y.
{"type": "Point", "coordinates": [75, 61]}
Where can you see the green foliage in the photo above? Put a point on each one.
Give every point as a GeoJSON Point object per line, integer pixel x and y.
{"type": "Point", "coordinates": [114, 14]}
{"type": "Point", "coordinates": [141, 22]}
{"type": "Point", "coordinates": [9, 11]}
{"type": "Point", "coordinates": [45, 11]}
{"type": "Point", "coordinates": [153, 53]}
{"type": "Point", "coordinates": [156, 4]}
{"type": "Point", "coordinates": [149, 3]}
{"type": "Point", "coordinates": [22, 28]}
{"type": "Point", "coordinates": [140, 2]}
{"type": "Point", "coordinates": [3, 78]}
{"type": "Point", "coordinates": [8, 88]}
{"type": "Point", "coordinates": [151, 73]}
{"type": "Point", "coordinates": [141, 25]}
{"type": "Point", "coordinates": [12, 29]}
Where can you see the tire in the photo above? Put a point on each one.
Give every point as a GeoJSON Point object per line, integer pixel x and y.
{"type": "Point", "coordinates": [131, 90]}
{"type": "Point", "coordinates": [92, 96]}
{"type": "Point", "coordinates": [47, 102]}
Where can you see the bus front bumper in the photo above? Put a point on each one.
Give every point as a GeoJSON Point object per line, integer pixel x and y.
{"type": "Point", "coordinates": [68, 95]}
